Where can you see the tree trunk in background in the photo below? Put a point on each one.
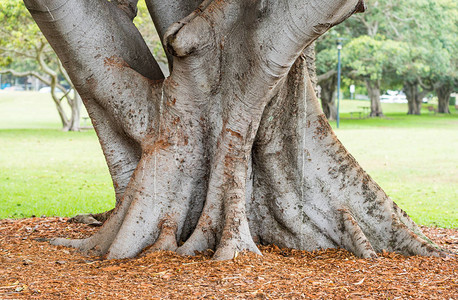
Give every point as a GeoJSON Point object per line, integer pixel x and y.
{"type": "Point", "coordinates": [71, 123]}
{"type": "Point", "coordinates": [443, 94]}
{"type": "Point", "coordinates": [373, 88]}
{"type": "Point", "coordinates": [414, 97]}
{"type": "Point", "coordinates": [232, 148]}
{"type": "Point", "coordinates": [75, 106]}
{"type": "Point", "coordinates": [328, 97]}
{"type": "Point", "coordinates": [68, 124]}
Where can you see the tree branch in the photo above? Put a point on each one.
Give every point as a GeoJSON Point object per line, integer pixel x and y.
{"type": "Point", "coordinates": [67, 78]}
{"type": "Point", "coordinates": [63, 72]}
{"type": "Point", "coordinates": [326, 76]}
{"type": "Point", "coordinates": [27, 73]}
{"type": "Point", "coordinates": [19, 53]}
{"type": "Point", "coordinates": [425, 86]}
{"type": "Point", "coordinates": [41, 61]}
{"type": "Point", "coordinates": [113, 50]}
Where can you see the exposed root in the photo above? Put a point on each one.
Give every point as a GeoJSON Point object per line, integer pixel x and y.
{"type": "Point", "coordinates": [91, 219]}
{"type": "Point", "coordinates": [167, 238]}
{"type": "Point", "coordinates": [406, 242]}
{"type": "Point", "coordinates": [359, 242]}
{"type": "Point", "coordinates": [230, 248]}
{"type": "Point", "coordinates": [87, 219]}
{"type": "Point", "coordinates": [74, 243]}
{"type": "Point", "coordinates": [100, 243]}
{"type": "Point", "coordinates": [236, 238]}
{"type": "Point", "coordinates": [199, 240]}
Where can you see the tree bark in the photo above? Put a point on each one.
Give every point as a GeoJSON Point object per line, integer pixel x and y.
{"type": "Point", "coordinates": [328, 97]}
{"type": "Point", "coordinates": [414, 97]}
{"type": "Point", "coordinates": [373, 88]}
{"type": "Point", "coordinates": [232, 148]}
{"type": "Point", "coordinates": [75, 105]}
{"type": "Point", "coordinates": [443, 92]}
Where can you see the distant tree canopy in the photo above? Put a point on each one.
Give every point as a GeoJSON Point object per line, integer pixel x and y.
{"type": "Point", "coordinates": [409, 44]}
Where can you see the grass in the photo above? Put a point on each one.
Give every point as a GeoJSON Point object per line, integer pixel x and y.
{"type": "Point", "coordinates": [413, 158]}
{"type": "Point", "coordinates": [47, 172]}
{"type": "Point", "coordinates": [44, 171]}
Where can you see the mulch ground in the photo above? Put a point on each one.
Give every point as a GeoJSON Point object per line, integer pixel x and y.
{"type": "Point", "coordinates": [30, 269]}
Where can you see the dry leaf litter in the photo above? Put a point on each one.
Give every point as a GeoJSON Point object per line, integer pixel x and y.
{"type": "Point", "coordinates": [31, 268]}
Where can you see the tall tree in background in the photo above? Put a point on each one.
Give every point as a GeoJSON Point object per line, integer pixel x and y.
{"type": "Point", "coordinates": [428, 30]}
{"type": "Point", "coordinates": [373, 60]}
{"type": "Point", "coordinates": [231, 149]}
{"type": "Point", "coordinates": [327, 78]}
{"type": "Point", "coordinates": [444, 72]}
{"type": "Point", "coordinates": [424, 57]}
{"type": "Point", "coordinates": [21, 41]}
{"type": "Point", "coordinates": [365, 53]}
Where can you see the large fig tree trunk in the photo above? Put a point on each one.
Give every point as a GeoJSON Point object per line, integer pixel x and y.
{"type": "Point", "coordinates": [232, 148]}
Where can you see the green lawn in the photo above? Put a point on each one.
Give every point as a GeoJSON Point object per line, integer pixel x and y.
{"type": "Point", "coordinates": [44, 171]}
{"type": "Point", "coordinates": [47, 172]}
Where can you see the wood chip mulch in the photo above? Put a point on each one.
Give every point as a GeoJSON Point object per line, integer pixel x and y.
{"type": "Point", "coordinates": [33, 269]}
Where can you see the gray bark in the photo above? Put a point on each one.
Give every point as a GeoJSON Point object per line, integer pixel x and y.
{"type": "Point", "coordinates": [231, 149]}
{"type": "Point", "coordinates": [443, 92]}
{"type": "Point", "coordinates": [328, 97]}
{"type": "Point", "coordinates": [373, 88]}
{"type": "Point", "coordinates": [165, 13]}
{"type": "Point", "coordinates": [414, 97]}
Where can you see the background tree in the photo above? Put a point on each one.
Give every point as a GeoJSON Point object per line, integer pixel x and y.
{"type": "Point", "coordinates": [425, 32]}
{"type": "Point", "coordinates": [410, 71]}
{"type": "Point", "coordinates": [428, 30]}
{"type": "Point", "coordinates": [25, 52]}
{"type": "Point", "coordinates": [443, 71]}
{"type": "Point", "coordinates": [232, 148]}
{"type": "Point", "coordinates": [373, 60]}
{"type": "Point", "coordinates": [327, 74]}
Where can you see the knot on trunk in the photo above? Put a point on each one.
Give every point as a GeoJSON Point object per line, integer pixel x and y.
{"type": "Point", "coordinates": [188, 36]}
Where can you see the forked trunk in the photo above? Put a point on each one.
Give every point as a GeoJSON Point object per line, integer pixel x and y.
{"type": "Point", "coordinates": [232, 148]}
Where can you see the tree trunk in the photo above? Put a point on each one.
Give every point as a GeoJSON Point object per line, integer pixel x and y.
{"type": "Point", "coordinates": [232, 148]}
{"type": "Point", "coordinates": [414, 97]}
{"type": "Point", "coordinates": [72, 124]}
{"type": "Point", "coordinates": [75, 106]}
{"type": "Point", "coordinates": [328, 97]}
{"type": "Point", "coordinates": [443, 94]}
{"type": "Point", "coordinates": [373, 88]}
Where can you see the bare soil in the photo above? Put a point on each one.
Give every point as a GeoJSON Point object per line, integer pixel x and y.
{"type": "Point", "coordinates": [31, 268]}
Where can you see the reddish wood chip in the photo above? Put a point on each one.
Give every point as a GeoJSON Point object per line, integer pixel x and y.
{"type": "Point", "coordinates": [31, 268]}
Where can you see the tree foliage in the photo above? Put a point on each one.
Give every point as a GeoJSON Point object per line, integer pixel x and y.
{"type": "Point", "coordinates": [410, 43]}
